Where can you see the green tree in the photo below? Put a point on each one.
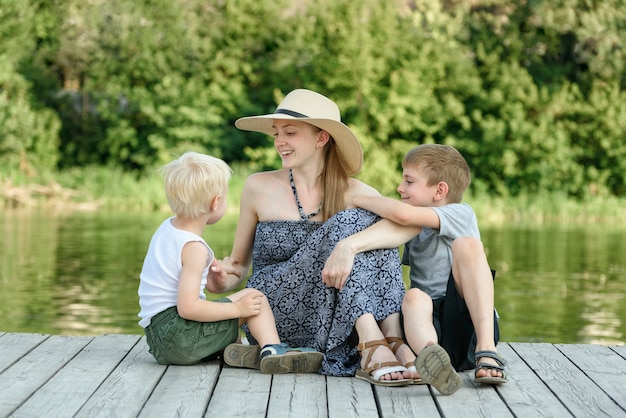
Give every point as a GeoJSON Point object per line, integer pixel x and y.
{"type": "Point", "coordinates": [531, 92]}
{"type": "Point", "coordinates": [550, 84]}
{"type": "Point", "coordinates": [28, 130]}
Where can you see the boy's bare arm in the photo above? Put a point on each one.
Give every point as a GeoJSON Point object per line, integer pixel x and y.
{"type": "Point", "coordinates": [398, 212]}
{"type": "Point", "coordinates": [191, 306]}
{"type": "Point", "coordinates": [202, 310]}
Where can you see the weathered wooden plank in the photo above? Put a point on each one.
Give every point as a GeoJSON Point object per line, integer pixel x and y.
{"type": "Point", "coordinates": [14, 346]}
{"type": "Point", "coordinates": [525, 393]}
{"type": "Point", "coordinates": [572, 387]}
{"type": "Point", "coordinates": [407, 401]}
{"type": "Point", "coordinates": [114, 375]}
{"type": "Point", "coordinates": [183, 391]}
{"type": "Point", "coordinates": [602, 365]}
{"type": "Point", "coordinates": [23, 378]}
{"type": "Point", "coordinates": [240, 393]}
{"type": "Point", "coordinates": [473, 400]}
{"type": "Point", "coordinates": [349, 397]}
{"type": "Point", "coordinates": [619, 349]}
{"type": "Point", "coordinates": [127, 387]}
{"type": "Point", "coordinates": [298, 395]}
{"type": "Point", "coordinates": [67, 391]}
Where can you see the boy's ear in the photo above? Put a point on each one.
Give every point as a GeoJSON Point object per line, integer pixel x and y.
{"type": "Point", "coordinates": [442, 191]}
{"type": "Point", "coordinates": [215, 202]}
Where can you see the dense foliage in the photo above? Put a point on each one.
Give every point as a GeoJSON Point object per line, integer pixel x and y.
{"type": "Point", "coordinates": [532, 92]}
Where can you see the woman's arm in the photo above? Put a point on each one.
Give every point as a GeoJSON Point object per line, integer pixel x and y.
{"type": "Point", "coordinates": [383, 234]}
{"type": "Point", "coordinates": [234, 269]}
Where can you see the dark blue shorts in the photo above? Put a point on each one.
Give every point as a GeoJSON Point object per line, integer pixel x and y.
{"type": "Point", "coordinates": [455, 329]}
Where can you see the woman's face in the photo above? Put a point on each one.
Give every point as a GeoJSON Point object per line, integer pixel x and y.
{"type": "Point", "coordinates": [295, 141]}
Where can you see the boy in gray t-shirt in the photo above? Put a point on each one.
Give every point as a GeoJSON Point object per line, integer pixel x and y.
{"type": "Point", "coordinates": [448, 313]}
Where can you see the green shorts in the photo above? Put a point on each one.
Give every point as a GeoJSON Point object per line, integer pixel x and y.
{"type": "Point", "coordinates": [175, 340]}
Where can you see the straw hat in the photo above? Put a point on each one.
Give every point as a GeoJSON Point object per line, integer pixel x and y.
{"type": "Point", "coordinates": [318, 110]}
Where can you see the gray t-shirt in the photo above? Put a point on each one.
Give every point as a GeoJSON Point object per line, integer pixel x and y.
{"type": "Point", "coordinates": [429, 253]}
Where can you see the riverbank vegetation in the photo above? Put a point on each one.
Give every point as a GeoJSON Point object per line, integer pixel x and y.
{"type": "Point", "coordinates": [97, 188]}
{"type": "Point", "coordinates": [95, 96]}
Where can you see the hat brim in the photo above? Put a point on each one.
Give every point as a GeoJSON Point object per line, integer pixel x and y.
{"type": "Point", "coordinates": [347, 142]}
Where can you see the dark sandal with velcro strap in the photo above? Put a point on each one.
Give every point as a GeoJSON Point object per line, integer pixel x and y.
{"type": "Point", "coordinates": [490, 380]}
{"type": "Point", "coordinates": [242, 355]}
{"type": "Point", "coordinates": [281, 358]}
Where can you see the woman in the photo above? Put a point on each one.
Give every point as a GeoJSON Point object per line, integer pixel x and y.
{"type": "Point", "coordinates": [289, 222]}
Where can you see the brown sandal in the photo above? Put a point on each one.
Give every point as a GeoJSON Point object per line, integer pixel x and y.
{"type": "Point", "coordinates": [410, 366]}
{"type": "Point", "coordinates": [373, 373]}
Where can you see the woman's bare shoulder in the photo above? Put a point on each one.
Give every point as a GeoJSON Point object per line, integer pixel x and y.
{"type": "Point", "coordinates": [356, 186]}
{"type": "Point", "coordinates": [265, 176]}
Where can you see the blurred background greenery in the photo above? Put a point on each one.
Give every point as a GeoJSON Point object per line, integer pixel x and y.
{"type": "Point", "coordinates": [95, 95]}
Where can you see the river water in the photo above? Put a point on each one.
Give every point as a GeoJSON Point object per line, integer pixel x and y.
{"type": "Point", "coordinates": [77, 274]}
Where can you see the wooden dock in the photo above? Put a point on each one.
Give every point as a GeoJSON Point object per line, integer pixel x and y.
{"type": "Point", "coordinates": [115, 376]}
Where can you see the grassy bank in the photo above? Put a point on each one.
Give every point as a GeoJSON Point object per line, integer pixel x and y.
{"type": "Point", "coordinates": [97, 188]}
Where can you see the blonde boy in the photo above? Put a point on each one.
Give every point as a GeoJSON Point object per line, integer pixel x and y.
{"type": "Point", "coordinates": [181, 325]}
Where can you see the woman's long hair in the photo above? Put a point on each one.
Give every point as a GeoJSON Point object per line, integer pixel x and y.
{"type": "Point", "coordinates": [334, 180]}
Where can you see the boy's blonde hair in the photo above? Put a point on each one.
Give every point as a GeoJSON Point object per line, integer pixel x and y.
{"type": "Point", "coordinates": [192, 181]}
{"type": "Point", "coordinates": [440, 162]}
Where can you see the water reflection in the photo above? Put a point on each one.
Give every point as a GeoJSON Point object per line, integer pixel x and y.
{"type": "Point", "coordinates": [77, 274]}
{"type": "Point", "coordinates": [560, 283]}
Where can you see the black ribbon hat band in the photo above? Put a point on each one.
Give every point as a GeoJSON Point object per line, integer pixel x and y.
{"type": "Point", "coordinates": [290, 113]}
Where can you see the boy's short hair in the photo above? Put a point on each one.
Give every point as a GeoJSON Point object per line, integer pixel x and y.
{"type": "Point", "coordinates": [192, 181]}
{"type": "Point", "coordinates": [440, 162]}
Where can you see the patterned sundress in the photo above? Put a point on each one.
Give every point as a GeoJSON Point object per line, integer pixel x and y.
{"type": "Point", "coordinates": [288, 258]}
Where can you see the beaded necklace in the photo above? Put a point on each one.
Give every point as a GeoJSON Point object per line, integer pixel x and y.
{"type": "Point", "coordinates": [303, 215]}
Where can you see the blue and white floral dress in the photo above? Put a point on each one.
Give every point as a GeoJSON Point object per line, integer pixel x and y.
{"type": "Point", "coordinates": [288, 258]}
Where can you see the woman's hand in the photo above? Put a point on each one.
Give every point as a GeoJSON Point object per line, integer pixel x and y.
{"type": "Point", "coordinates": [231, 266]}
{"type": "Point", "coordinates": [338, 266]}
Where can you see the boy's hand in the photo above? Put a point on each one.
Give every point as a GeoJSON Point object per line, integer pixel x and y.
{"type": "Point", "coordinates": [217, 280]}
{"type": "Point", "coordinates": [338, 266]}
{"type": "Point", "coordinates": [249, 304]}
